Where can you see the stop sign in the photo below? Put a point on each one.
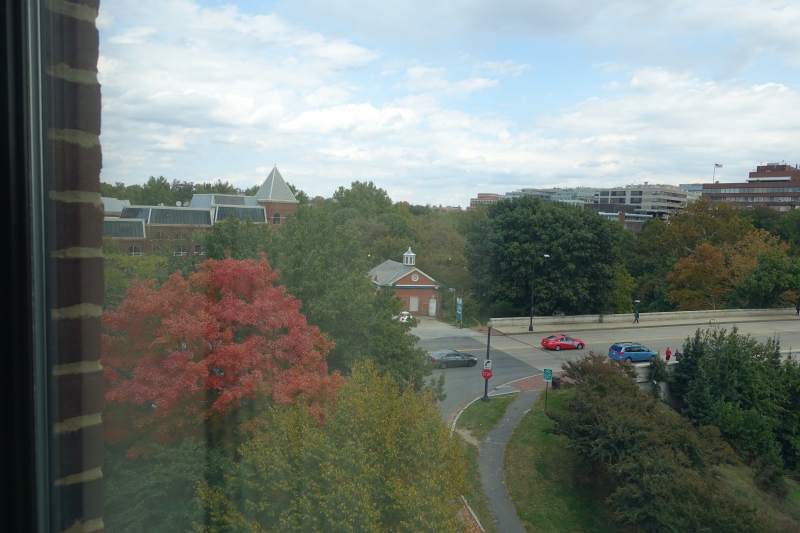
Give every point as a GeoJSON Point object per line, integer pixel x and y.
{"type": "Point", "coordinates": [486, 374]}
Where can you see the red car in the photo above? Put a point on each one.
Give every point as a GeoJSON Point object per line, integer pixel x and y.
{"type": "Point", "coordinates": [562, 342]}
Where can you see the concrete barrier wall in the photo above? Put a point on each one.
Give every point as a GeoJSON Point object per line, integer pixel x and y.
{"type": "Point", "coordinates": [699, 316]}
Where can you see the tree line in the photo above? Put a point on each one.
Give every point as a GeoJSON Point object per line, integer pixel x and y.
{"type": "Point", "coordinates": [710, 255]}
{"type": "Point", "coordinates": [159, 190]}
{"type": "Point", "coordinates": [664, 468]}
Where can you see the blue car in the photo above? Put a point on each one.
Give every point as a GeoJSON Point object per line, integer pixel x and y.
{"type": "Point", "coordinates": [630, 352]}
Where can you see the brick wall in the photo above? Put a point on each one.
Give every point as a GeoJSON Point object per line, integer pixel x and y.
{"type": "Point", "coordinates": [72, 125]}
{"type": "Point", "coordinates": [281, 208]}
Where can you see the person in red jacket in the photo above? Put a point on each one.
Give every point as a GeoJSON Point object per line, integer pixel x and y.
{"type": "Point", "coordinates": [668, 353]}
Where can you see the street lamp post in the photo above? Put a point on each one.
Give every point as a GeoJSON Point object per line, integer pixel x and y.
{"type": "Point", "coordinates": [453, 290]}
{"type": "Point", "coordinates": [533, 278]}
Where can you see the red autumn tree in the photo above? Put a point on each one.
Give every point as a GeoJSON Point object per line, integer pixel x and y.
{"type": "Point", "coordinates": [187, 356]}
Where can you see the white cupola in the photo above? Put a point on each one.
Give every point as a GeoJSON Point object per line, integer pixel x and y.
{"type": "Point", "coordinates": [409, 258]}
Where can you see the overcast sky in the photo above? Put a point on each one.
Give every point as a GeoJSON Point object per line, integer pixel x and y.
{"type": "Point", "coordinates": [438, 100]}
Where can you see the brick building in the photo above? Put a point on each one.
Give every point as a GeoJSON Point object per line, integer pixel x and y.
{"type": "Point", "coordinates": [139, 229]}
{"type": "Point", "coordinates": [276, 198]}
{"type": "Point", "coordinates": [774, 185]}
{"type": "Point", "coordinates": [482, 200]}
{"type": "Point", "coordinates": [419, 291]}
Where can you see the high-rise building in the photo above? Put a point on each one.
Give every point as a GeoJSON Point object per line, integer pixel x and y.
{"type": "Point", "coordinates": [774, 185]}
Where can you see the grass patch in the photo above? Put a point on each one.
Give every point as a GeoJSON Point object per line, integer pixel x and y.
{"type": "Point", "coordinates": [481, 417]}
{"type": "Point", "coordinates": [785, 512]}
{"type": "Point", "coordinates": [475, 497]}
{"type": "Point", "coordinates": [552, 489]}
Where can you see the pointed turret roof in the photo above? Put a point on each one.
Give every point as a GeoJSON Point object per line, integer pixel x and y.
{"type": "Point", "coordinates": [275, 189]}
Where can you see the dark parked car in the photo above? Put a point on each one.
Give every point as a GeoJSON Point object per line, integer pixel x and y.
{"type": "Point", "coordinates": [630, 351]}
{"type": "Point", "coordinates": [445, 358]}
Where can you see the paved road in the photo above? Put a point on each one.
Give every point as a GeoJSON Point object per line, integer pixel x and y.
{"type": "Point", "coordinates": [464, 384]}
{"type": "Point", "coordinates": [517, 356]}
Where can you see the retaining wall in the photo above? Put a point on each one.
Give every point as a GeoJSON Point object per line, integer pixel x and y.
{"type": "Point", "coordinates": [699, 316]}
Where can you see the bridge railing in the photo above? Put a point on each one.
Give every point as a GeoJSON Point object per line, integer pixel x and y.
{"type": "Point", "coordinates": [698, 316]}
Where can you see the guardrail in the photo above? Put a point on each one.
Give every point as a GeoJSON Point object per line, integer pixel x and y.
{"type": "Point", "coordinates": [700, 316]}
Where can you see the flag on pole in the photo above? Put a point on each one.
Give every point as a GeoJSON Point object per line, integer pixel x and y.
{"type": "Point", "coordinates": [717, 165]}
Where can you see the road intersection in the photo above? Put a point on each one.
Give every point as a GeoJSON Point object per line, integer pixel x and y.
{"type": "Point", "coordinates": [518, 354]}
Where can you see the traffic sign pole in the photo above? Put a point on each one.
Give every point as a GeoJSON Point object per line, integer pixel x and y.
{"type": "Point", "coordinates": [547, 378]}
{"type": "Point", "coordinates": [486, 382]}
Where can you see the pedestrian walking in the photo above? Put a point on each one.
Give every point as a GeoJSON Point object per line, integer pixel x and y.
{"type": "Point", "coordinates": [797, 309]}
{"type": "Point", "coordinates": [636, 316]}
{"type": "Point", "coordinates": [668, 353]}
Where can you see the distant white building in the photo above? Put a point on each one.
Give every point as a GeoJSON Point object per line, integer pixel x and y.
{"type": "Point", "coordinates": [655, 199]}
{"type": "Point", "coordinates": [574, 195]}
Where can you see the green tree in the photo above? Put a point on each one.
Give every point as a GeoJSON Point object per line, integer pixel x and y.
{"type": "Point", "coordinates": [121, 271]}
{"type": "Point", "coordinates": [789, 229]}
{"type": "Point", "coordinates": [239, 239]}
{"type": "Point", "coordinates": [323, 266]}
{"type": "Point", "coordinates": [700, 280]}
{"type": "Point", "coordinates": [182, 191]}
{"type": "Point", "coordinates": [158, 492]}
{"type": "Point", "coordinates": [622, 296]}
{"type": "Point", "coordinates": [218, 187]}
{"type": "Point", "coordinates": [440, 250]}
{"type": "Point", "coordinates": [763, 218]}
{"type": "Point", "coordinates": [662, 244]}
{"type": "Point", "coordinates": [368, 200]}
{"type": "Point", "coordinates": [660, 466]}
{"type": "Point", "coordinates": [577, 278]}
{"type": "Point", "coordinates": [114, 191]}
{"type": "Point", "coordinates": [300, 195]}
{"type": "Point", "coordinates": [774, 282]}
{"type": "Point", "coordinates": [384, 461]}
{"type": "Point", "coordinates": [746, 389]}
{"type": "Point", "coordinates": [157, 191]}
{"type": "Point", "coordinates": [251, 191]}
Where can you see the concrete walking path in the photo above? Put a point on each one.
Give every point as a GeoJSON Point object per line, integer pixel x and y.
{"type": "Point", "coordinates": [490, 464]}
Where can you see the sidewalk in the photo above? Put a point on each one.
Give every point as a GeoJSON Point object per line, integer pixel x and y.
{"type": "Point", "coordinates": [490, 464]}
{"type": "Point", "coordinates": [643, 323]}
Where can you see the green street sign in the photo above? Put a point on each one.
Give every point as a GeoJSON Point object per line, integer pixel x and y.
{"type": "Point", "coordinates": [548, 375]}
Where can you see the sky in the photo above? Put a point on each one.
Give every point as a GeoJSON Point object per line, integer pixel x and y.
{"type": "Point", "coordinates": [436, 101]}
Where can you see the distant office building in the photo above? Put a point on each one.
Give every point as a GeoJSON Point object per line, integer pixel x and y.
{"type": "Point", "coordinates": [482, 200]}
{"type": "Point", "coordinates": [574, 195]}
{"type": "Point", "coordinates": [774, 185]}
{"type": "Point", "coordinates": [444, 209]}
{"type": "Point", "coordinates": [654, 199]}
{"type": "Point", "coordinates": [632, 222]}
{"type": "Point", "coordinates": [692, 187]}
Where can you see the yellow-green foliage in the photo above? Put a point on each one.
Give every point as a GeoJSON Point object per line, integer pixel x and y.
{"type": "Point", "coordinates": [383, 461]}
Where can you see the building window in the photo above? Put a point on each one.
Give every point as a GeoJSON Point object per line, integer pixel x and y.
{"type": "Point", "coordinates": [198, 250]}
{"type": "Point", "coordinates": [181, 249]}
{"type": "Point", "coordinates": [160, 236]}
{"type": "Point", "coordinates": [636, 200]}
{"type": "Point", "coordinates": [181, 236]}
{"type": "Point", "coordinates": [414, 277]}
{"type": "Point", "coordinates": [276, 219]}
{"type": "Point", "coordinates": [636, 193]}
{"type": "Point", "coordinates": [133, 250]}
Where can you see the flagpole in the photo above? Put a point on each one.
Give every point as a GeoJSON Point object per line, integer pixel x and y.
{"type": "Point", "coordinates": [714, 175]}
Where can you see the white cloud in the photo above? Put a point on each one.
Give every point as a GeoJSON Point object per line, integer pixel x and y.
{"type": "Point", "coordinates": [425, 79]}
{"type": "Point", "coordinates": [504, 67]}
{"type": "Point", "coordinates": [201, 94]}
